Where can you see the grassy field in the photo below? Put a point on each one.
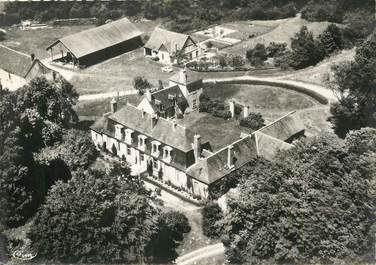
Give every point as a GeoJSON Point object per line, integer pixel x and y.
{"type": "Point", "coordinates": [273, 102]}
{"type": "Point", "coordinates": [36, 40]}
{"type": "Point", "coordinates": [217, 131]}
{"type": "Point", "coordinates": [245, 29]}
{"type": "Point", "coordinates": [14, 62]}
{"type": "Point", "coordinates": [261, 98]}
{"type": "Point", "coordinates": [320, 74]}
{"type": "Point", "coordinates": [283, 32]}
{"type": "Point", "coordinates": [118, 73]}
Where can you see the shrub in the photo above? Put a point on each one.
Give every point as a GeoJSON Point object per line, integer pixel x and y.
{"type": "Point", "coordinates": [257, 55]}
{"type": "Point", "coordinates": [276, 49]}
{"type": "Point", "coordinates": [332, 39]}
{"type": "Point", "coordinates": [254, 121]}
{"type": "Point", "coordinates": [211, 214]}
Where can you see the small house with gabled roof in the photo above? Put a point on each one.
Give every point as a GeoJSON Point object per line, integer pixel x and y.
{"type": "Point", "coordinates": [164, 44]}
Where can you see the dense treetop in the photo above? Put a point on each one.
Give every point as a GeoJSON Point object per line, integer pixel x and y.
{"type": "Point", "coordinates": [354, 83]}
{"type": "Point", "coordinates": [313, 203]}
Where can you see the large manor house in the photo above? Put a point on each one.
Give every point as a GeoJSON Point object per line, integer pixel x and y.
{"type": "Point", "coordinates": [148, 135]}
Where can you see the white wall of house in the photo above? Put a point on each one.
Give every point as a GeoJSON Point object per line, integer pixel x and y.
{"type": "Point", "coordinates": [134, 157]}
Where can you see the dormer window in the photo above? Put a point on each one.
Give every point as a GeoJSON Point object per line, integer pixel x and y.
{"type": "Point", "coordinates": [155, 148]}
{"type": "Point", "coordinates": [167, 153]}
{"type": "Point", "coordinates": [142, 142]}
{"type": "Point", "coordinates": [119, 132]}
{"type": "Point", "coordinates": [128, 136]}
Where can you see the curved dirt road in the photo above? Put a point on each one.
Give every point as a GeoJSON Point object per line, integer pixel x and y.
{"type": "Point", "coordinates": [202, 253]}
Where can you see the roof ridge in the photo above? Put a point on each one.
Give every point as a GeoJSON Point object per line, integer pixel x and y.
{"type": "Point", "coordinates": [277, 120]}
{"type": "Point", "coordinates": [96, 28]}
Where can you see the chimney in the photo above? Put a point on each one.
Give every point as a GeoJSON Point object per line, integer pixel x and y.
{"type": "Point", "coordinates": [32, 57]}
{"type": "Point", "coordinates": [154, 121]}
{"type": "Point", "coordinates": [148, 95]}
{"type": "Point", "coordinates": [174, 124]}
{"type": "Point", "coordinates": [230, 157]}
{"type": "Point", "coordinates": [197, 147]}
{"type": "Point", "coordinates": [114, 105]}
{"type": "Point", "coordinates": [183, 76]}
{"type": "Point", "coordinates": [245, 111]}
{"type": "Point", "coordinates": [232, 108]}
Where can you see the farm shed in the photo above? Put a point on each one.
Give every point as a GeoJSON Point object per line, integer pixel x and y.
{"type": "Point", "coordinates": [91, 46]}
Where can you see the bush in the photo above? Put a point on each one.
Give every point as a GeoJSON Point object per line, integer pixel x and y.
{"type": "Point", "coordinates": [254, 121]}
{"type": "Point", "coordinates": [276, 49]}
{"type": "Point", "coordinates": [257, 55]}
{"type": "Point", "coordinates": [332, 39]}
{"type": "Point", "coordinates": [211, 214]}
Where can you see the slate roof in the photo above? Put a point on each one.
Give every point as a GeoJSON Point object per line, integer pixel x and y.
{"type": "Point", "coordinates": [267, 146]}
{"type": "Point", "coordinates": [284, 128]}
{"type": "Point", "coordinates": [163, 96]}
{"type": "Point", "coordinates": [99, 38]}
{"type": "Point", "coordinates": [214, 167]}
{"type": "Point", "coordinates": [193, 82]}
{"type": "Point", "coordinates": [166, 38]}
{"type": "Point", "coordinates": [164, 132]}
{"type": "Point", "coordinates": [14, 62]}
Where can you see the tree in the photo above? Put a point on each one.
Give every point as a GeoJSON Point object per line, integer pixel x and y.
{"type": "Point", "coordinates": [305, 50]}
{"type": "Point", "coordinates": [236, 61]}
{"type": "Point", "coordinates": [141, 84]}
{"type": "Point", "coordinates": [257, 55]}
{"type": "Point", "coordinates": [179, 56]}
{"type": "Point", "coordinates": [172, 227]}
{"type": "Point", "coordinates": [211, 215]}
{"type": "Point", "coordinates": [96, 217]}
{"type": "Point", "coordinates": [53, 100]}
{"type": "Point", "coordinates": [332, 39]}
{"type": "Point", "coordinates": [299, 208]}
{"type": "Point", "coordinates": [354, 83]}
{"type": "Point", "coordinates": [254, 121]}
{"type": "Point", "coordinates": [76, 150]}
{"type": "Point", "coordinates": [323, 10]}
{"type": "Point", "coordinates": [2, 36]}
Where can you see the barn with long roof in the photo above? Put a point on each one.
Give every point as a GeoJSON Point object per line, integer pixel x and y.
{"type": "Point", "coordinates": [94, 45]}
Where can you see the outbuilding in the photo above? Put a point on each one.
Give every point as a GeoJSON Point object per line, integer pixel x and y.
{"type": "Point", "coordinates": [97, 44]}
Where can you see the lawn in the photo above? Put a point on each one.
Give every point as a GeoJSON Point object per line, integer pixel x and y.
{"type": "Point", "coordinates": [92, 109]}
{"type": "Point", "coordinates": [36, 40]}
{"type": "Point", "coordinates": [274, 102]}
{"type": "Point", "coordinates": [217, 131]}
{"type": "Point", "coordinates": [118, 73]}
{"type": "Point", "coordinates": [261, 98]}
{"type": "Point", "coordinates": [247, 28]}
{"type": "Point", "coordinates": [284, 31]}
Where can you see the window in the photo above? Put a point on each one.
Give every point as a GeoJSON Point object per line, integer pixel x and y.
{"type": "Point", "coordinates": [155, 148]}
{"type": "Point", "coordinates": [141, 141]}
{"type": "Point", "coordinates": [194, 103]}
{"type": "Point", "coordinates": [128, 151]}
{"type": "Point", "coordinates": [155, 164]}
{"type": "Point", "coordinates": [142, 157]}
